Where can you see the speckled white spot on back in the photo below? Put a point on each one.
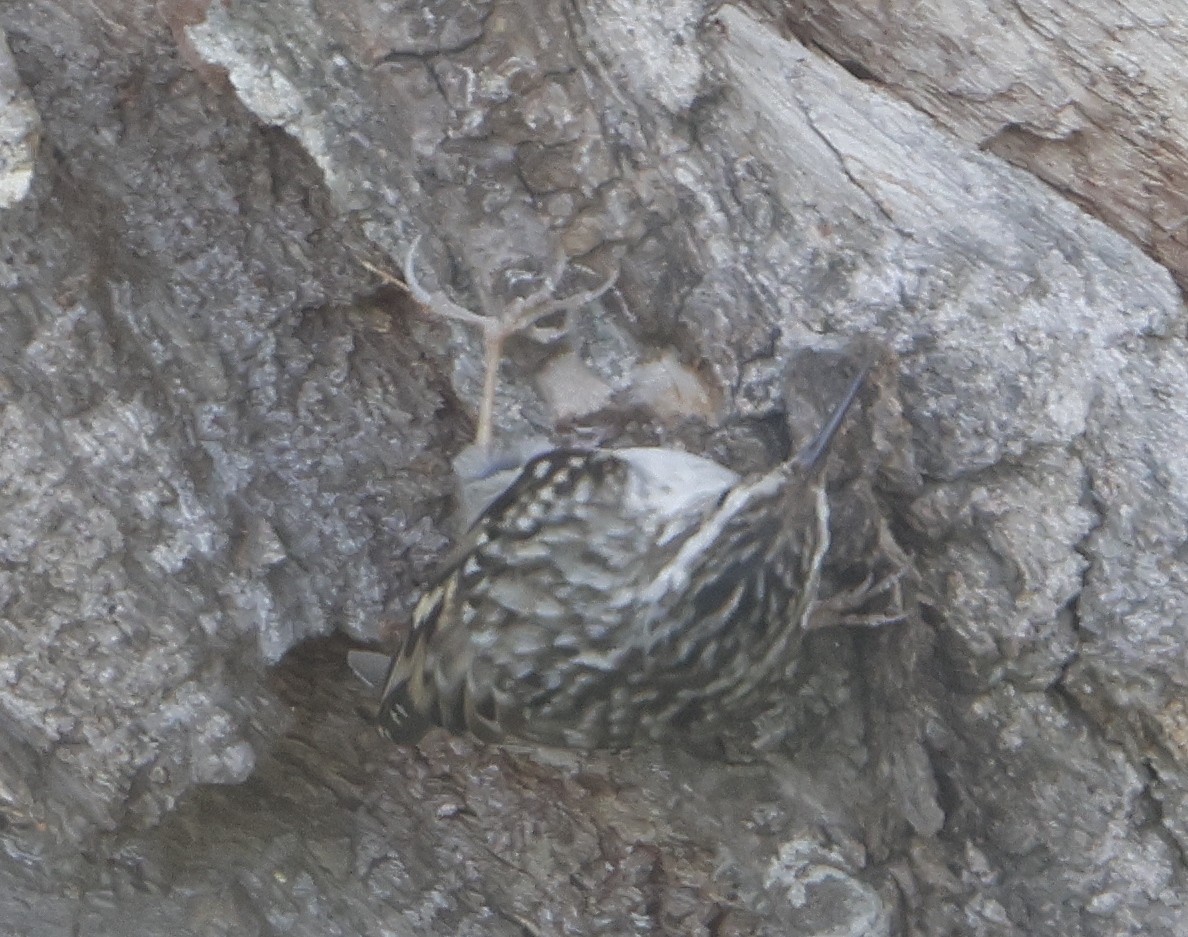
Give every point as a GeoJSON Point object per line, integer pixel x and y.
{"type": "Point", "coordinates": [670, 483]}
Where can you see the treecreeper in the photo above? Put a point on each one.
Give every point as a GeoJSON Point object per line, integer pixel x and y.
{"type": "Point", "coordinates": [610, 597]}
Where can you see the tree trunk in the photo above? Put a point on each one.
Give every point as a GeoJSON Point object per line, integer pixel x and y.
{"type": "Point", "coordinates": [222, 435]}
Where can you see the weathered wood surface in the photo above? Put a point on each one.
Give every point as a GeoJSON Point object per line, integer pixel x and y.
{"type": "Point", "coordinates": [220, 436]}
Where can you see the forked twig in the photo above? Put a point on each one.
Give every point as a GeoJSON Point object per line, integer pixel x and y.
{"type": "Point", "coordinates": [520, 315]}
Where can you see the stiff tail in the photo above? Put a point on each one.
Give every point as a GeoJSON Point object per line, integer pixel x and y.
{"type": "Point", "coordinates": [398, 716]}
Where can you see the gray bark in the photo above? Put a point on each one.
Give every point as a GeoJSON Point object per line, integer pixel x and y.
{"type": "Point", "coordinates": [1089, 99]}
{"type": "Point", "coordinates": [221, 436]}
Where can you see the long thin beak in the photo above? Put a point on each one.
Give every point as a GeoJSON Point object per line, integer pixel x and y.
{"type": "Point", "coordinates": [813, 455]}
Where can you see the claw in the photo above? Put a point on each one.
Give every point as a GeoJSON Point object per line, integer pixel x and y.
{"type": "Point", "coordinates": [845, 608]}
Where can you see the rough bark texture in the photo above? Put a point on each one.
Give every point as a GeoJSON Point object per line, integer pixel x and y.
{"type": "Point", "coordinates": [220, 436]}
{"type": "Point", "coordinates": [1088, 98]}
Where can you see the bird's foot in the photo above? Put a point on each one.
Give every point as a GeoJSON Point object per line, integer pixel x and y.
{"type": "Point", "coordinates": [879, 598]}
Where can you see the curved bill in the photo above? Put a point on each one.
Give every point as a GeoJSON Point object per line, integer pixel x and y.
{"type": "Point", "coordinates": [813, 454]}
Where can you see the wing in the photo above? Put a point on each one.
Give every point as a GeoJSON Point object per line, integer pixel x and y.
{"type": "Point", "coordinates": [728, 611]}
{"type": "Point", "coordinates": [532, 620]}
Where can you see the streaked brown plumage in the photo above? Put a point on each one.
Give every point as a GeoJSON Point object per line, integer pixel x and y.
{"type": "Point", "coordinates": [608, 597]}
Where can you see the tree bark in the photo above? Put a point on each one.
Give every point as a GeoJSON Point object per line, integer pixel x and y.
{"type": "Point", "coordinates": [223, 441]}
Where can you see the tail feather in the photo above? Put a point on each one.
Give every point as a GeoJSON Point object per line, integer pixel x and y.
{"type": "Point", "coordinates": [400, 720]}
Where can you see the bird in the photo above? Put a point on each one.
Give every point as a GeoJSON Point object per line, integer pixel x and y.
{"type": "Point", "coordinates": [605, 598]}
